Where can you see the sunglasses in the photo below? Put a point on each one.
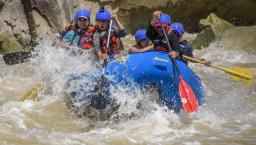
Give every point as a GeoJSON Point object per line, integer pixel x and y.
{"type": "Point", "coordinates": [160, 28]}
{"type": "Point", "coordinates": [145, 42]}
{"type": "Point", "coordinates": [82, 19]}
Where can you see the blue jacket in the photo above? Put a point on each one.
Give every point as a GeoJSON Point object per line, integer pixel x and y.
{"type": "Point", "coordinates": [72, 37]}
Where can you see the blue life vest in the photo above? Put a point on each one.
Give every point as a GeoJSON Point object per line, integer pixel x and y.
{"type": "Point", "coordinates": [72, 37]}
{"type": "Point", "coordinates": [186, 49]}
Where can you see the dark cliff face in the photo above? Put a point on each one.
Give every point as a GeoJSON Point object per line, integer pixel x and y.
{"type": "Point", "coordinates": [237, 12]}
{"type": "Point", "coordinates": [1, 5]}
{"type": "Point", "coordinates": [189, 12]}
{"type": "Point", "coordinates": [136, 14]}
{"type": "Point", "coordinates": [30, 20]}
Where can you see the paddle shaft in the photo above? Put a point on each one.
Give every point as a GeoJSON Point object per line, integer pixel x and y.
{"type": "Point", "coordinates": [105, 60]}
{"type": "Point", "coordinates": [107, 47]}
{"type": "Point", "coordinates": [170, 48]}
{"type": "Point", "coordinates": [185, 90]}
{"type": "Point", "coordinates": [109, 33]}
{"type": "Point", "coordinates": [218, 67]}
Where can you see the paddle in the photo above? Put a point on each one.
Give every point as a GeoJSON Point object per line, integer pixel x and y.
{"type": "Point", "coordinates": [16, 57]}
{"type": "Point", "coordinates": [244, 74]}
{"type": "Point", "coordinates": [187, 95]}
{"type": "Point", "coordinates": [100, 101]}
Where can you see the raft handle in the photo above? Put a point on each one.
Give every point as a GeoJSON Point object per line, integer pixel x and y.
{"type": "Point", "coordinates": [160, 67]}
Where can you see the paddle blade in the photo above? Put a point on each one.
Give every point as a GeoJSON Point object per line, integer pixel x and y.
{"type": "Point", "coordinates": [187, 97]}
{"type": "Point", "coordinates": [16, 57]}
{"type": "Point", "coordinates": [245, 72]}
{"type": "Point", "coordinates": [32, 94]}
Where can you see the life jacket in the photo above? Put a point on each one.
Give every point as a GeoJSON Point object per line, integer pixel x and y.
{"type": "Point", "coordinates": [115, 44]}
{"type": "Point", "coordinates": [72, 33]}
{"type": "Point", "coordinates": [86, 41]}
{"type": "Point", "coordinates": [186, 48]}
{"type": "Point", "coordinates": [161, 44]}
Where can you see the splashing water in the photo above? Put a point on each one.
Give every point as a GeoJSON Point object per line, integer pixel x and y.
{"type": "Point", "coordinates": [227, 117]}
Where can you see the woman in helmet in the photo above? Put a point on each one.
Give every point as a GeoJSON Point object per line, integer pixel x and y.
{"type": "Point", "coordinates": [156, 34]}
{"type": "Point", "coordinates": [185, 47]}
{"type": "Point", "coordinates": [73, 33]}
{"type": "Point", "coordinates": [103, 17]}
{"type": "Point", "coordinates": [143, 42]}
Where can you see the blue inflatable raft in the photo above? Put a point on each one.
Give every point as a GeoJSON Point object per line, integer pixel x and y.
{"type": "Point", "coordinates": [148, 68]}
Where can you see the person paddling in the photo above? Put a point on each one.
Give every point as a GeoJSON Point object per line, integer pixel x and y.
{"type": "Point", "coordinates": [185, 47]}
{"type": "Point", "coordinates": [103, 18]}
{"type": "Point", "coordinates": [156, 34]}
{"type": "Point", "coordinates": [143, 43]}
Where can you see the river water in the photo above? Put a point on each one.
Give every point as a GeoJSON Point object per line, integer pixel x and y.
{"type": "Point", "coordinates": [227, 117]}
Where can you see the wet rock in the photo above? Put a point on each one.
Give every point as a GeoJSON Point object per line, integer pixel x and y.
{"type": "Point", "coordinates": [136, 14]}
{"type": "Point", "coordinates": [8, 43]}
{"type": "Point", "coordinates": [215, 26]}
{"type": "Point", "coordinates": [13, 20]}
{"type": "Point", "coordinates": [203, 39]}
{"type": "Point", "coordinates": [1, 5]}
{"type": "Point", "coordinates": [51, 11]}
{"type": "Point", "coordinates": [191, 12]}
{"type": "Point", "coordinates": [42, 27]}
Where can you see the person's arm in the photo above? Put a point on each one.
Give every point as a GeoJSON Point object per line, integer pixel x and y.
{"type": "Point", "coordinates": [174, 43]}
{"type": "Point", "coordinates": [102, 55]}
{"type": "Point", "coordinates": [118, 23]}
{"type": "Point", "coordinates": [151, 32]}
{"type": "Point", "coordinates": [120, 31]}
{"type": "Point", "coordinates": [119, 46]}
{"type": "Point", "coordinates": [186, 48]}
{"type": "Point", "coordinates": [156, 15]}
{"type": "Point", "coordinates": [189, 52]}
{"type": "Point", "coordinates": [135, 49]}
{"type": "Point", "coordinates": [96, 41]}
{"type": "Point", "coordinates": [97, 47]}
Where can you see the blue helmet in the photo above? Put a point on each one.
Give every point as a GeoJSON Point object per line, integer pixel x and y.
{"type": "Point", "coordinates": [177, 27]}
{"type": "Point", "coordinates": [103, 15]}
{"type": "Point", "coordinates": [165, 18]}
{"type": "Point", "coordinates": [82, 13]}
{"type": "Point", "coordinates": [140, 35]}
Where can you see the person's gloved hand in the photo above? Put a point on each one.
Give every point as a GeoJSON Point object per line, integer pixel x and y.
{"type": "Point", "coordinates": [173, 54]}
{"type": "Point", "coordinates": [103, 56]}
{"type": "Point", "coordinates": [114, 17]}
{"type": "Point", "coordinates": [117, 55]}
{"type": "Point", "coordinates": [207, 63]}
{"type": "Point", "coordinates": [156, 15]}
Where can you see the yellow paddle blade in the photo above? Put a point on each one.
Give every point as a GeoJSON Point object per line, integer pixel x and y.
{"type": "Point", "coordinates": [244, 71]}
{"type": "Point", "coordinates": [32, 94]}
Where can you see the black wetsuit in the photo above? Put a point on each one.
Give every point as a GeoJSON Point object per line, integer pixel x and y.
{"type": "Point", "coordinates": [160, 41]}
{"type": "Point", "coordinates": [186, 49]}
